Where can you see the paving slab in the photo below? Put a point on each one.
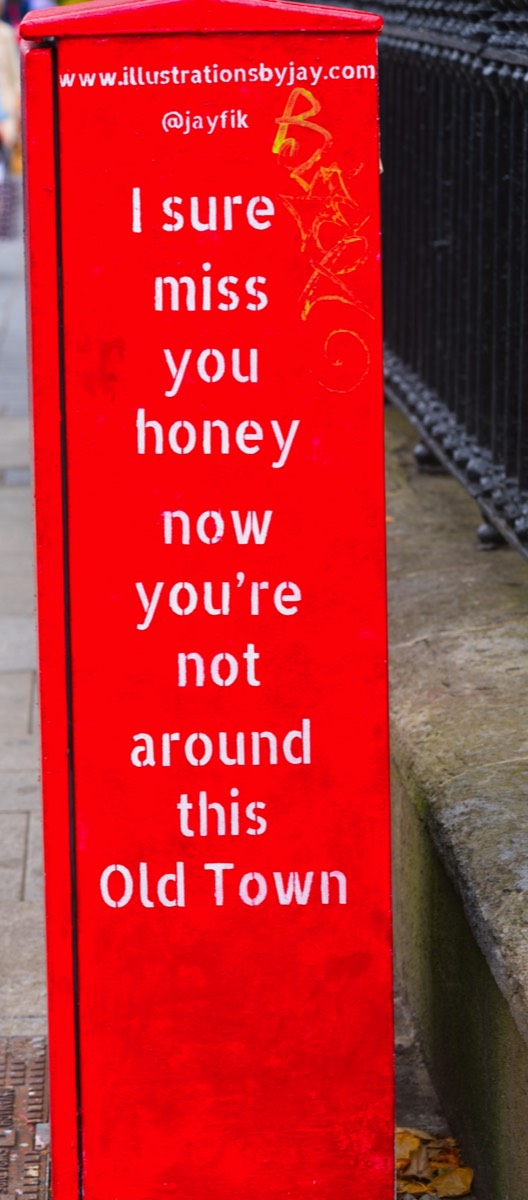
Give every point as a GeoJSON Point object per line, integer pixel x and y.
{"type": "Point", "coordinates": [16, 523]}
{"type": "Point", "coordinates": [22, 967]}
{"type": "Point", "coordinates": [19, 790]}
{"type": "Point", "coordinates": [17, 585]}
{"type": "Point", "coordinates": [14, 441]}
{"type": "Point", "coordinates": [18, 644]}
{"type": "Point", "coordinates": [19, 747]}
{"type": "Point", "coordinates": [14, 830]}
{"type": "Point", "coordinates": [33, 883]}
{"type": "Point", "coordinates": [23, 982]}
{"type": "Point", "coordinates": [13, 388]}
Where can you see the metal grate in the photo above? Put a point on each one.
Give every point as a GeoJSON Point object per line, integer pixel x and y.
{"type": "Point", "coordinates": [23, 1119]}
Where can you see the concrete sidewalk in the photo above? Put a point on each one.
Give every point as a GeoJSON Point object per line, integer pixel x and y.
{"type": "Point", "coordinates": [22, 974]}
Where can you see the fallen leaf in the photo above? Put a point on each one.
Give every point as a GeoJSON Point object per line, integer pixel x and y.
{"type": "Point", "coordinates": [444, 1151]}
{"type": "Point", "coordinates": [406, 1144]}
{"type": "Point", "coordinates": [454, 1183]}
{"type": "Point", "coordinates": [408, 1188]}
{"type": "Point", "coordinates": [430, 1166]}
{"type": "Point", "coordinates": [419, 1166]}
{"type": "Point", "coordinates": [440, 1161]}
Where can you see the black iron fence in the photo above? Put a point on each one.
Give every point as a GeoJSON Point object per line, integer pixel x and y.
{"type": "Point", "coordinates": [454, 109]}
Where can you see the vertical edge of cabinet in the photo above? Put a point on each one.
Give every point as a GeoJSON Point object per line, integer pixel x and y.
{"type": "Point", "coordinates": [42, 209]}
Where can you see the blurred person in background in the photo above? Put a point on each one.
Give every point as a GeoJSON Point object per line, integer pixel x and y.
{"type": "Point", "coordinates": [9, 89]}
{"type": "Point", "coordinates": [32, 5]}
{"type": "Point", "coordinates": [12, 13]}
{"type": "Point", "coordinates": [9, 127]}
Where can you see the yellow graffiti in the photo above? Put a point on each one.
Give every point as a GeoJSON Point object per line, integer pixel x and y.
{"type": "Point", "coordinates": [345, 352]}
{"type": "Point", "coordinates": [332, 235]}
{"type": "Point", "coordinates": [327, 205]}
{"type": "Point", "coordinates": [286, 146]}
{"type": "Point", "coordinates": [333, 266]}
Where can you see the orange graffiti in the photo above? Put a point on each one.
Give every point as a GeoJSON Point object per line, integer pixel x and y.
{"type": "Point", "coordinates": [288, 146]}
{"type": "Point", "coordinates": [332, 235]}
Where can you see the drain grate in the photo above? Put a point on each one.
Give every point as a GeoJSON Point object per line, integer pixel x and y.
{"type": "Point", "coordinates": [23, 1106]}
{"type": "Point", "coordinates": [4, 1172]}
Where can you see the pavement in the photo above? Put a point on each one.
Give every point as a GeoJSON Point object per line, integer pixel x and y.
{"type": "Point", "coordinates": [22, 968]}
{"type": "Point", "coordinates": [24, 1129]}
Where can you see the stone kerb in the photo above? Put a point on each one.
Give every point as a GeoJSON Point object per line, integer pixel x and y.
{"type": "Point", "coordinates": [459, 660]}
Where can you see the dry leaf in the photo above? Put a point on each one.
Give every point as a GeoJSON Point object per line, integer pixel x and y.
{"type": "Point", "coordinates": [408, 1188]}
{"type": "Point", "coordinates": [430, 1166]}
{"type": "Point", "coordinates": [406, 1144]}
{"type": "Point", "coordinates": [440, 1161]}
{"type": "Point", "coordinates": [444, 1151]}
{"type": "Point", "coordinates": [454, 1183]}
{"type": "Point", "coordinates": [419, 1167]}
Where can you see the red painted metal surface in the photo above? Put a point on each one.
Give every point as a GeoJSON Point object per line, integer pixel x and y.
{"type": "Point", "coordinates": [218, 613]}
{"type": "Point", "coordinates": [98, 18]}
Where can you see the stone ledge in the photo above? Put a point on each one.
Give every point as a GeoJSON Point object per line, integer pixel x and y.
{"type": "Point", "coordinates": [458, 620]}
{"type": "Point", "coordinates": [459, 671]}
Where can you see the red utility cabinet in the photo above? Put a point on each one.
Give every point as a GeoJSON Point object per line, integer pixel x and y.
{"type": "Point", "coordinates": [203, 231]}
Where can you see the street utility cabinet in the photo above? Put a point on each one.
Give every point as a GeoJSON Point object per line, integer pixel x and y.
{"type": "Point", "coordinates": [203, 236]}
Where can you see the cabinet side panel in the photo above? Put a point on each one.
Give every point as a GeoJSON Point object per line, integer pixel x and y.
{"type": "Point", "coordinates": [44, 324]}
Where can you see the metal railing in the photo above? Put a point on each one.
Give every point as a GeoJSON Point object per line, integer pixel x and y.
{"type": "Point", "coordinates": [454, 113]}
